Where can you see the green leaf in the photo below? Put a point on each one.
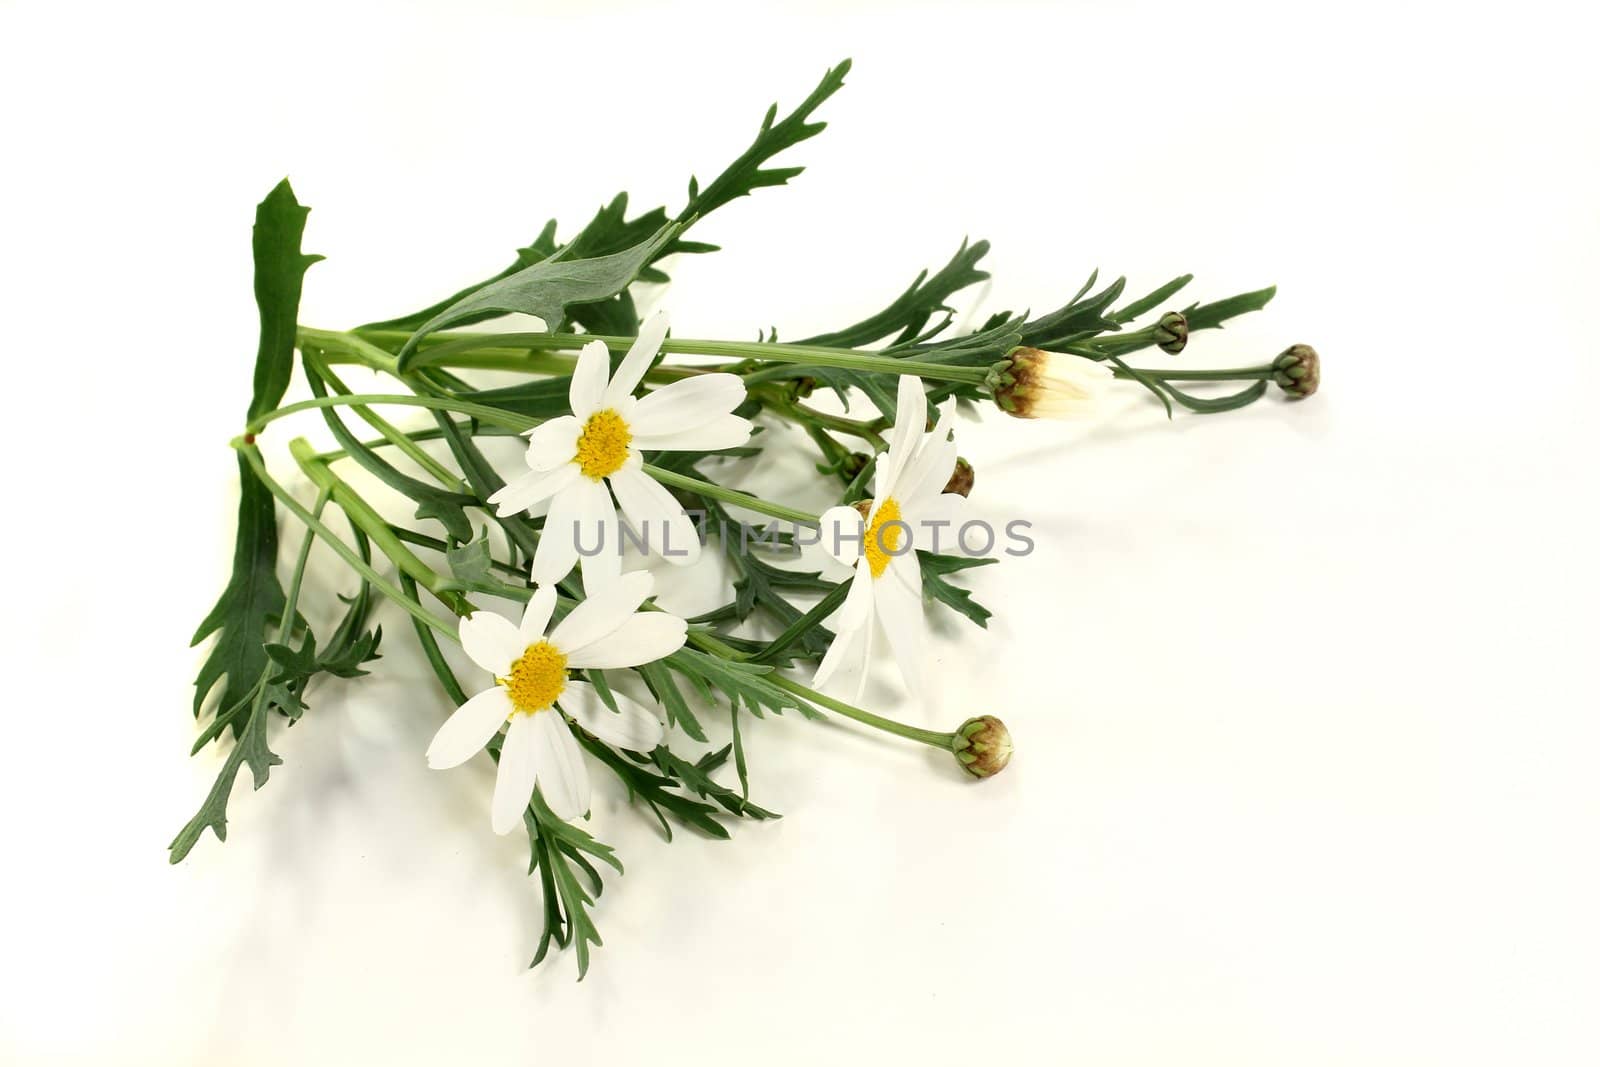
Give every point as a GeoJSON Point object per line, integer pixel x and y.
{"type": "Point", "coordinates": [280, 268]}
{"type": "Point", "coordinates": [546, 288]}
{"type": "Point", "coordinates": [934, 568]}
{"type": "Point", "coordinates": [697, 777]}
{"type": "Point", "coordinates": [740, 683]}
{"type": "Point", "coordinates": [250, 749]}
{"type": "Point", "coordinates": [1152, 301]}
{"type": "Point", "coordinates": [745, 174]}
{"type": "Point", "coordinates": [252, 600]}
{"type": "Point", "coordinates": [656, 791]}
{"type": "Point", "coordinates": [1210, 316]}
{"type": "Point", "coordinates": [472, 562]}
{"type": "Point", "coordinates": [912, 308]}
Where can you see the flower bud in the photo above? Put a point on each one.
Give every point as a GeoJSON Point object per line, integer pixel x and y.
{"type": "Point", "coordinates": [1033, 384]}
{"type": "Point", "coordinates": [854, 464]}
{"type": "Point", "coordinates": [982, 746]}
{"type": "Point", "coordinates": [1172, 332]}
{"type": "Point", "coordinates": [1298, 371]}
{"type": "Point", "coordinates": [961, 479]}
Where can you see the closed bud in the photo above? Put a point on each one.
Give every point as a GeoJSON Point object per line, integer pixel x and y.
{"type": "Point", "coordinates": [961, 479]}
{"type": "Point", "coordinates": [1033, 384]}
{"type": "Point", "coordinates": [1298, 371]}
{"type": "Point", "coordinates": [982, 746]}
{"type": "Point", "coordinates": [1172, 332]}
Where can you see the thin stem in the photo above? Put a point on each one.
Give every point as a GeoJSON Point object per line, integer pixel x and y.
{"type": "Point", "coordinates": [1232, 374]}
{"type": "Point", "coordinates": [374, 526]}
{"type": "Point", "coordinates": [390, 432]}
{"type": "Point", "coordinates": [807, 416]}
{"type": "Point", "coordinates": [769, 352]}
{"type": "Point", "coordinates": [483, 413]}
{"type": "Point", "coordinates": [253, 456]}
{"type": "Point", "coordinates": [730, 496]}
{"type": "Point", "coordinates": [850, 711]}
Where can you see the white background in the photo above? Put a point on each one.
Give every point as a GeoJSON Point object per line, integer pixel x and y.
{"type": "Point", "coordinates": [1302, 694]}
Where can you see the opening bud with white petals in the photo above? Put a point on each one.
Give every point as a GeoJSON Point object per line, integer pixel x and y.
{"type": "Point", "coordinates": [1033, 384]}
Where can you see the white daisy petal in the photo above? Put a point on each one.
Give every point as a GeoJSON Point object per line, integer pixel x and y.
{"type": "Point", "coordinates": [491, 641]}
{"type": "Point", "coordinates": [630, 372]}
{"type": "Point", "coordinates": [513, 781]}
{"type": "Point", "coordinates": [845, 659]}
{"type": "Point", "coordinates": [657, 516]}
{"type": "Point", "coordinates": [535, 487]}
{"type": "Point", "coordinates": [936, 522]}
{"type": "Point", "coordinates": [589, 379]}
{"type": "Point", "coordinates": [899, 609]}
{"type": "Point", "coordinates": [930, 469]}
{"type": "Point", "coordinates": [559, 769]}
{"type": "Point", "coordinates": [643, 637]}
{"type": "Point", "coordinates": [842, 529]}
{"type": "Point", "coordinates": [857, 607]}
{"type": "Point", "coordinates": [630, 727]}
{"type": "Point", "coordinates": [601, 529]}
{"type": "Point", "coordinates": [602, 611]}
{"type": "Point", "coordinates": [911, 416]}
{"type": "Point", "coordinates": [550, 444]}
{"type": "Point", "coordinates": [469, 728]}
{"type": "Point", "coordinates": [712, 435]}
{"type": "Point", "coordinates": [687, 403]}
{"type": "Point", "coordinates": [576, 512]}
{"type": "Point", "coordinates": [537, 615]}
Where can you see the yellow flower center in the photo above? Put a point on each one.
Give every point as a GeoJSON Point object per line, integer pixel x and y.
{"type": "Point", "coordinates": [537, 678]}
{"type": "Point", "coordinates": [880, 543]}
{"type": "Point", "coordinates": [603, 444]}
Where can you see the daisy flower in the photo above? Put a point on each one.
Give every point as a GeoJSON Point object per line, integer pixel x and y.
{"type": "Point", "coordinates": [534, 695]}
{"type": "Point", "coordinates": [908, 509]}
{"type": "Point", "coordinates": [574, 458]}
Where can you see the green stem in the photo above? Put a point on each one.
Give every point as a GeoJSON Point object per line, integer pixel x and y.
{"type": "Point", "coordinates": [390, 432]}
{"type": "Point", "coordinates": [850, 711]}
{"type": "Point", "coordinates": [730, 496]}
{"type": "Point", "coordinates": [1232, 374]}
{"type": "Point", "coordinates": [253, 456]}
{"type": "Point", "coordinates": [805, 416]}
{"type": "Point", "coordinates": [808, 355]}
{"type": "Point", "coordinates": [481, 412]}
{"type": "Point", "coordinates": [374, 526]}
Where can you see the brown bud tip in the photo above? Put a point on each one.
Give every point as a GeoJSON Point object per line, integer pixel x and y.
{"type": "Point", "coordinates": [961, 478]}
{"type": "Point", "coordinates": [1298, 371]}
{"type": "Point", "coordinates": [1172, 332]}
{"type": "Point", "coordinates": [982, 746]}
{"type": "Point", "coordinates": [863, 506]}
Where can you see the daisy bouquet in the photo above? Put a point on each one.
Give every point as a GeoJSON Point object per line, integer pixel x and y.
{"type": "Point", "coordinates": [531, 567]}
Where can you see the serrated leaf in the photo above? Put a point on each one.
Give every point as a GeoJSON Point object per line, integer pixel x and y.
{"type": "Point", "coordinates": [934, 569]}
{"type": "Point", "coordinates": [250, 749]}
{"type": "Point", "coordinates": [252, 599]}
{"type": "Point", "coordinates": [546, 289]}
